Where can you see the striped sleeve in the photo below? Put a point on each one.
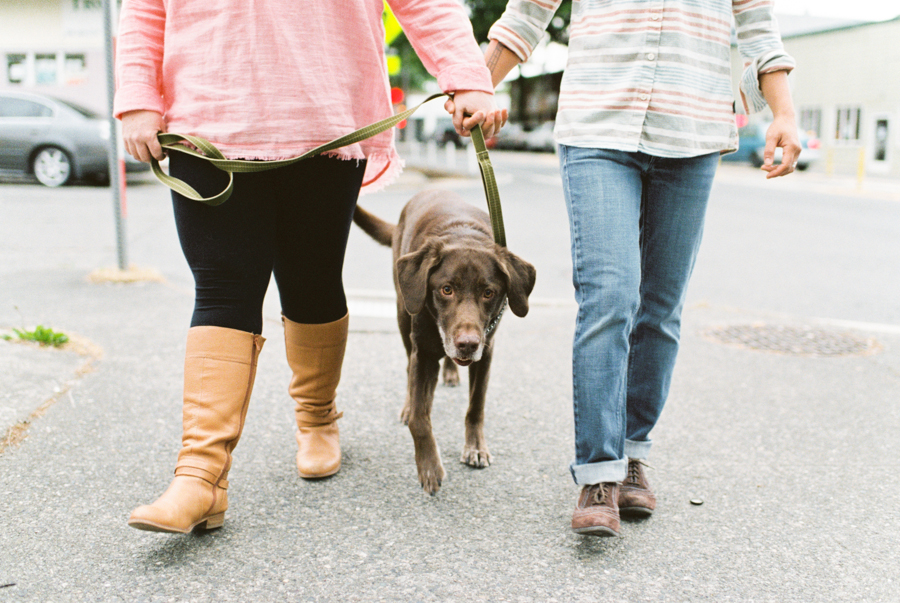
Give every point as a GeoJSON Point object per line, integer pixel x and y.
{"type": "Point", "coordinates": [522, 25]}
{"type": "Point", "coordinates": [760, 46]}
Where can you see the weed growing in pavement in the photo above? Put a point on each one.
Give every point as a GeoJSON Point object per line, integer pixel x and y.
{"type": "Point", "coordinates": [42, 335]}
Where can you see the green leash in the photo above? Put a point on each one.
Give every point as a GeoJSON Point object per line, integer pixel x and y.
{"type": "Point", "coordinates": [208, 152]}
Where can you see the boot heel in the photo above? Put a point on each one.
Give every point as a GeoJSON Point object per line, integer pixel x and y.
{"type": "Point", "coordinates": [212, 522]}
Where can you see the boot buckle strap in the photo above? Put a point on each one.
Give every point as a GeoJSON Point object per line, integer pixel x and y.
{"type": "Point", "coordinates": [306, 418]}
{"type": "Point", "coordinates": [202, 474]}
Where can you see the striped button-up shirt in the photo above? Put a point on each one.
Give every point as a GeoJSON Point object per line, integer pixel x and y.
{"type": "Point", "coordinates": [652, 75]}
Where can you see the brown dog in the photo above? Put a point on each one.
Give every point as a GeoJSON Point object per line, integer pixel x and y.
{"type": "Point", "coordinates": [452, 284]}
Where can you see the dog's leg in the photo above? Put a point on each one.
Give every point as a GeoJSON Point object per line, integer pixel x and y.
{"type": "Point", "coordinates": [476, 453]}
{"type": "Point", "coordinates": [423, 376]}
{"type": "Point", "coordinates": [450, 374]}
{"type": "Point", "coordinates": [404, 321]}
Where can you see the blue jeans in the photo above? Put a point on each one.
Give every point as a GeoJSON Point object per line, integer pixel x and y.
{"type": "Point", "coordinates": [636, 222]}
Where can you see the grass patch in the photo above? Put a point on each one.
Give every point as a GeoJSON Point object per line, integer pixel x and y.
{"type": "Point", "coordinates": [42, 335]}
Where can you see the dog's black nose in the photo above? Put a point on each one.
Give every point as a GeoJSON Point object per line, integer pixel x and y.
{"type": "Point", "coordinates": [467, 343]}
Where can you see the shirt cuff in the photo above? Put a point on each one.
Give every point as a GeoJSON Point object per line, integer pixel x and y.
{"type": "Point", "coordinates": [751, 93]}
{"type": "Point", "coordinates": [466, 77]}
{"type": "Point", "coordinates": [513, 40]}
{"type": "Point", "coordinates": [135, 97]}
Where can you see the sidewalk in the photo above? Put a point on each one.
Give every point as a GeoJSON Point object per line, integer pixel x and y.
{"type": "Point", "coordinates": [791, 455]}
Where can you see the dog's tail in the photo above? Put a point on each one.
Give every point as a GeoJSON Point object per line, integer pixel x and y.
{"type": "Point", "coordinates": [375, 227]}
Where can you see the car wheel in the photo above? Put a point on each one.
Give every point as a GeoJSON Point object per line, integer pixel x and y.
{"type": "Point", "coordinates": [52, 167]}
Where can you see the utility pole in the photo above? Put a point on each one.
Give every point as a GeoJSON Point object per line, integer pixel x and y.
{"type": "Point", "coordinates": [116, 154]}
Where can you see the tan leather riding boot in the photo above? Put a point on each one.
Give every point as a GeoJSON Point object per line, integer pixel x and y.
{"type": "Point", "coordinates": [219, 370]}
{"type": "Point", "coordinates": [315, 354]}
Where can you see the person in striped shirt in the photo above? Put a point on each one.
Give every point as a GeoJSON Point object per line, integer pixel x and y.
{"type": "Point", "coordinates": [645, 109]}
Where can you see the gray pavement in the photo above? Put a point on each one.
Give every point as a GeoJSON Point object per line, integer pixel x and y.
{"type": "Point", "coordinates": [793, 456]}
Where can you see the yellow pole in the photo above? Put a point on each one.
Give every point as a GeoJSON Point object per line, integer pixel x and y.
{"type": "Point", "coordinates": [861, 167]}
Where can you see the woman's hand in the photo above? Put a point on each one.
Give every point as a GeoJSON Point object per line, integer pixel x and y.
{"type": "Point", "coordinates": [472, 107]}
{"type": "Point", "coordinates": [139, 130]}
{"type": "Point", "coordinates": [781, 133]}
{"type": "Point", "coordinates": [783, 130]}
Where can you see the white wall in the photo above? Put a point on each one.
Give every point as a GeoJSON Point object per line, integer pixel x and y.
{"type": "Point", "coordinates": [54, 47]}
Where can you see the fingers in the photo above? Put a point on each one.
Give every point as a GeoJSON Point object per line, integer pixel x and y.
{"type": "Point", "coordinates": [790, 153]}
{"type": "Point", "coordinates": [782, 133]}
{"type": "Point", "coordinates": [470, 108]}
{"type": "Point", "coordinates": [139, 133]}
{"type": "Point", "coordinates": [491, 122]}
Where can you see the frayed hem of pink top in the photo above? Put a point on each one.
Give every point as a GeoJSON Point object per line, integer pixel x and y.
{"type": "Point", "coordinates": [382, 169]}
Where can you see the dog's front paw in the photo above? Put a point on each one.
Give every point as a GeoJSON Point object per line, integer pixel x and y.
{"type": "Point", "coordinates": [431, 478]}
{"type": "Point", "coordinates": [476, 457]}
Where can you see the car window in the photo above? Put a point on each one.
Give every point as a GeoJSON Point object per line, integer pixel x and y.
{"type": "Point", "coordinates": [79, 109]}
{"type": "Point", "coordinates": [20, 107]}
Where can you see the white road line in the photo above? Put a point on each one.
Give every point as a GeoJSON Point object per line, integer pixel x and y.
{"type": "Point", "coordinates": [382, 303]}
{"type": "Point", "coordinates": [872, 327]}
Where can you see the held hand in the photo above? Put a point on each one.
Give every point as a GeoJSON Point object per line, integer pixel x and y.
{"type": "Point", "coordinates": [139, 129]}
{"type": "Point", "coordinates": [471, 107]}
{"type": "Point", "coordinates": [781, 133]}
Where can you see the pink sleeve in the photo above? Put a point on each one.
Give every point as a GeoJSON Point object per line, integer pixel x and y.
{"type": "Point", "coordinates": [139, 57]}
{"type": "Point", "coordinates": [441, 34]}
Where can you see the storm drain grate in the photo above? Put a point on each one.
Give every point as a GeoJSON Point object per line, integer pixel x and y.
{"type": "Point", "coordinates": [798, 341]}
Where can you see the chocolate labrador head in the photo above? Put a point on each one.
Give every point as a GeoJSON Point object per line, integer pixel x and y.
{"type": "Point", "coordinates": [464, 288]}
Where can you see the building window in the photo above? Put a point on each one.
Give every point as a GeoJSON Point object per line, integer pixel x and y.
{"type": "Point", "coordinates": [881, 140]}
{"type": "Point", "coordinates": [45, 69]}
{"type": "Point", "coordinates": [811, 122]}
{"type": "Point", "coordinates": [848, 123]}
{"type": "Point", "coordinates": [75, 69]}
{"type": "Point", "coordinates": [16, 68]}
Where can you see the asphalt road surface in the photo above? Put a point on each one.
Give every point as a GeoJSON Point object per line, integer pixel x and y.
{"type": "Point", "coordinates": [783, 418]}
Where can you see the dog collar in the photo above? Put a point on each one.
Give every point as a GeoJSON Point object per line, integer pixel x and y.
{"type": "Point", "coordinates": [496, 321]}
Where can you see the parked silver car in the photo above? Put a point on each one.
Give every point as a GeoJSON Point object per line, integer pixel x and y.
{"type": "Point", "coordinates": [55, 140]}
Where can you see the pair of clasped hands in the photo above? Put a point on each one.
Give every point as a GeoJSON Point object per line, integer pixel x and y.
{"type": "Point", "coordinates": [468, 108]}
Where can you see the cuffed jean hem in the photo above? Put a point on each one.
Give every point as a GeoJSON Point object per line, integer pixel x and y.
{"type": "Point", "coordinates": [599, 473]}
{"type": "Point", "coordinates": [637, 450]}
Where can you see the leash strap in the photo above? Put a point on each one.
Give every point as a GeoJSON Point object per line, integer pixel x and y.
{"type": "Point", "coordinates": [491, 193]}
{"type": "Point", "coordinates": [208, 152]}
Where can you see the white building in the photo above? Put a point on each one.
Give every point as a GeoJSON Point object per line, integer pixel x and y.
{"type": "Point", "coordinates": [846, 90]}
{"type": "Point", "coordinates": [55, 47]}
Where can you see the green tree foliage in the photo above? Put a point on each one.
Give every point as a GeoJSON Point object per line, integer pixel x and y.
{"type": "Point", "coordinates": [483, 14]}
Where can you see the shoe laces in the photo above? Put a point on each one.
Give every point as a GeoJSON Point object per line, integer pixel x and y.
{"type": "Point", "coordinates": [600, 494]}
{"type": "Point", "coordinates": [635, 472]}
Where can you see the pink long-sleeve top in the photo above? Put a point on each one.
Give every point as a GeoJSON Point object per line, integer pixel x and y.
{"type": "Point", "coordinates": [272, 79]}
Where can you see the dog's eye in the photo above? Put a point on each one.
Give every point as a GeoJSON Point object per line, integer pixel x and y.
{"type": "Point", "coordinates": [447, 290]}
{"type": "Point", "coordinates": [488, 294]}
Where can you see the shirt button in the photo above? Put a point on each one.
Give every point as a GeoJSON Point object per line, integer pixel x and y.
{"type": "Point", "coordinates": [655, 17]}
{"type": "Point", "coordinates": [650, 56]}
{"type": "Point", "coordinates": [645, 97]}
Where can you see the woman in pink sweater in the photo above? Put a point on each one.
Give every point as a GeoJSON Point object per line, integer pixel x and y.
{"type": "Point", "coordinates": [271, 80]}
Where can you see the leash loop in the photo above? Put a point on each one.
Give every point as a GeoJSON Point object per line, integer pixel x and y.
{"type": "Point", "coordinates": [207, 151]}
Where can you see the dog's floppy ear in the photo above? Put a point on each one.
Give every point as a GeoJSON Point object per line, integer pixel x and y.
{"type": "Point", "coordinates": [412, 275]}
{"type": "Point", "coordinates": [520, 276]}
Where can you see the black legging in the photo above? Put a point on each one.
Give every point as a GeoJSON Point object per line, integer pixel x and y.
{"type": "Point", "coordinates": [293, 221]}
